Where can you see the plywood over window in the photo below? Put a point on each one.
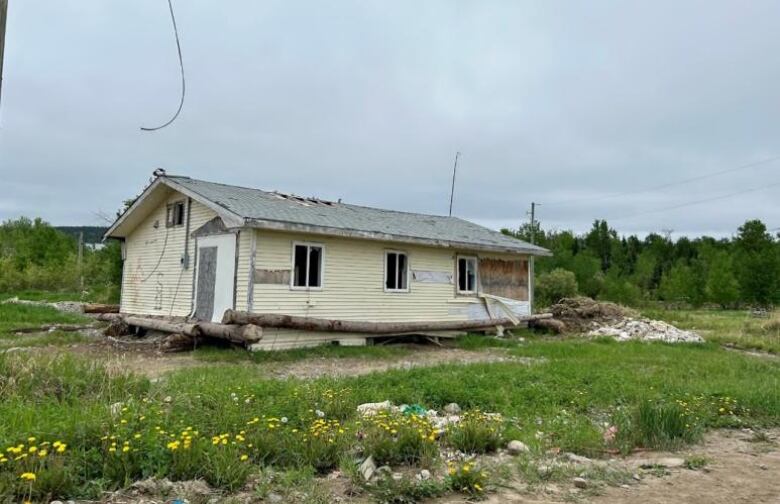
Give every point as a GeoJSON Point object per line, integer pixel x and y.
{"type": "Point", "coordinates": [507, 279]}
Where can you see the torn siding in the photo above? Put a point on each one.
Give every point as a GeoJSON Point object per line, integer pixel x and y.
{"type": "Point", "coordinates": [266, 276]}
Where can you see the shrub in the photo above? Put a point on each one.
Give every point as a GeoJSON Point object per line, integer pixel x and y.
{"type": "Point", "coordinates": [555, 285]}
{"type": "Point", "coordinates": [660, 424]}
{"type": "Point", "coordinates": [477, 432]}
{"type": "Point", "coordinates": [399, 439]}
{"type": "Point", "coordinates": [466, 477]}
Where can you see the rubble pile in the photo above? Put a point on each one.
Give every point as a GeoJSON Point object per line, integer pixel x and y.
{"type": "Point", "coordinates": [646, 330]}
{"type": "Point", "coordinates": [582, 315]}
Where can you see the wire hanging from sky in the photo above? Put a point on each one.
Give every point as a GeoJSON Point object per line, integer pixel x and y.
{"type": "Point", "coordinates": [697, 202]}
{"type": "Point", "coordinates": [181, 67]}
{"type": "Point", "coordinates": [667, 185]}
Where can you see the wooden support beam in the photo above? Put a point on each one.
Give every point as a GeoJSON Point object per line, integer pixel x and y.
{"type": "Point", "coordinates": [329, 325]}
{"type": "Point", "coordinates": [164, 326]}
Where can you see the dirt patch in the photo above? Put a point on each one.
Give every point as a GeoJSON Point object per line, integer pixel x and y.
{"type": "Point", "coordinates": [738, 470]}
{"type": "Point", "coordinates": [422, 356]}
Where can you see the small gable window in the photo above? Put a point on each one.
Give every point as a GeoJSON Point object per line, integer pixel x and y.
{"type": "Point", "coordinates": [175, 215]}
{"type": "Point", "coordinates": [307, 266]}
{"type": "Point", "coordinates": [396, 271]}
{"type": "Point", "coordinates": [467, 275]}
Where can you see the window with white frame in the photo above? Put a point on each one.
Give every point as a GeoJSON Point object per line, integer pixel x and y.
{"type": "Point", "coordinates": [396, 271]}
{"type": "Point", "coordinates": [467, 275]}
{"type": "Point", "coordinates": [307, 266]}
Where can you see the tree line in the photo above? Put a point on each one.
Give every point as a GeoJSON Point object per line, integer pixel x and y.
{"type": "Point", "coordinates": [37, 256]}
{"type": "Point", "coordinates": [743, 270]}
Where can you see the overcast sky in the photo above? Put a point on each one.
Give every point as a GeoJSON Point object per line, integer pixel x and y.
{"type": "Point", "coordinates": [549, 101]}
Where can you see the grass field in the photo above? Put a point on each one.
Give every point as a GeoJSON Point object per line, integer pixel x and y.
{"type": "Point", "coordinates": [727, 327]}
{"type": "Point", "coordinates": [81, 429]}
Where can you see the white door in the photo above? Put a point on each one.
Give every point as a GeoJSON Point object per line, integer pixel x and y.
{"type": "Point", "coordinates": [215, 280]}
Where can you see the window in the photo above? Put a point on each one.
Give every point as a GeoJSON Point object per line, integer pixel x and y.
{"type": "Point", "coordinates": [467, 275]}
{"type": "Point", "coordinates": [307, 266]}
{"type": "Point", "coordinates": [175, 214]}
{"type": "Point", "coordinates": [396, 272]}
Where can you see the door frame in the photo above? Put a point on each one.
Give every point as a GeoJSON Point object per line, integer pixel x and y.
{"type": "Point", "coordinates": [227, 253]}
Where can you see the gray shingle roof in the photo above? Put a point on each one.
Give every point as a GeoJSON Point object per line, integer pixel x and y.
{"type": "Point", "coordinates": [263, 209]}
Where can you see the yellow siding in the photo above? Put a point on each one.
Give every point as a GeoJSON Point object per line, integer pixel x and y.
{"type": "Point", "coordinates": [244, 268]}
{"type": "Point", "coordinates": [354, 278]}
{"type": "Point", "coordinates": [166, 289]}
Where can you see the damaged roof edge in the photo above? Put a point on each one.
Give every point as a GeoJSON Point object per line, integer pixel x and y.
{"type": "Point", "coordinates": [233, 220]}
{"type": "Point", "coordinates": [371, 235]}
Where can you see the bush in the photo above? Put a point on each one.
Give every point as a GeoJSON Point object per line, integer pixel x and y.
{"type": "Point", "coordinates": [466, 477]}
{"type": "Point", "coordinates": [555, 285]}
{"type": "Point", "coordinates": [399, 439]}
{"type": "Point", "coordinates": [477, 432]}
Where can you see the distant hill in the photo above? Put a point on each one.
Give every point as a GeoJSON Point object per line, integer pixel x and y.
{"type": "Point", "coordinates": [92, 234]}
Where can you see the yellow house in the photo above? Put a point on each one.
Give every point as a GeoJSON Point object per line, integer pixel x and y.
{"type": "Point", "coordinates": [194, 249]}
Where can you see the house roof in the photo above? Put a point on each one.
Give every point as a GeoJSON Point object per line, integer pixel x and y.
{"type": "Point", "coordinates": [242, 206]}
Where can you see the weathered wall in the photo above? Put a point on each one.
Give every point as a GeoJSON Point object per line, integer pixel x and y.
{"type": "Point", "coordinates": [166, 289]}
{"type": "Point", "coordinates": [353, 282]}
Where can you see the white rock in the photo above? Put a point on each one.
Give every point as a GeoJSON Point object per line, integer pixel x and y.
{"type": "Point", "coordinates": [580, 482]}
{"type": "Point", "coordinates": [397, 476]}
{"type": "Point", "coordinates": [369, 409]}
{"type": "Point", "coordinates": [368, 468]}
{"type": "Point", "coordinates": [516, 447]}
{"type": "Point", "coordinates": [424, 475]}
{"type": "Point", "coordinates": [452, 409]}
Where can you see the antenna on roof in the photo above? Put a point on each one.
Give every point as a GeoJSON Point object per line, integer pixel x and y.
{"type": "Point", "coordinates": [454, 171]}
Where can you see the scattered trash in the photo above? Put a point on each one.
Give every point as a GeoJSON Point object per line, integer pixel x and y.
{"type": "Point", "coordinates": [413, 409]}
{"type": "Point", "coordinates": [452, 409]}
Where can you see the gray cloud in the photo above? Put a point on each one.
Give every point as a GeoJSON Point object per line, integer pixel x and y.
{"type": "Point", "coordinates": [368, 101]}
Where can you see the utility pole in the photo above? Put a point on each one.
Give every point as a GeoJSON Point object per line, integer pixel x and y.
{"type": "Point", "coordinates": [3, 16]}
{"type": "Point", "coordinates": [81, 258]}
{"type": "Point", "coordinates": [531, 258]}
{"type": "Point", "coordinates": [454, 171]}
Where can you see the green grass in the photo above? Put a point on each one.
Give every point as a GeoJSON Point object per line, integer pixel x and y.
{"type": "Point", "coordinates": [54, 338]}
{"type": "Point", "coordinates": [726, 327]}
{"type": "Point", "coordinates": [14, 316]}
{"type": "Point", "coordinates": [656, 396]}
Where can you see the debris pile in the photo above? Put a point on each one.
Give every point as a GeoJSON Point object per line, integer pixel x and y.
{"type": "Point", "coordinates": [646, 330]}
{"type": "Point", "coordinates": [595, 318]}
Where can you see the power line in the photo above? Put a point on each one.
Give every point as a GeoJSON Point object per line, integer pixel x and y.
{"type": "Point", "coordinates": [181, 67]}
{"type": "Point", "coordinates": [454, 171]}
{"type": "Point", "coordinates": [697, 202]}
{"type": "Point", "coordinates": [670, 184]}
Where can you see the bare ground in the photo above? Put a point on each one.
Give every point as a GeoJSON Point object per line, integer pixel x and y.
{"type": "Point", "coordinates": [146, 359]}
{"type": "Point", "coordinates": [739, 470]}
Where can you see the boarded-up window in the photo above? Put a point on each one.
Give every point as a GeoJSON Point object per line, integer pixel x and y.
{"type": "Point", "coordinates": [467, 275]}
{"type": "Point", "coordinates": [307, 266]}
{"type": "Point", "coordinates": [396, 271]}
{"type": "Point", "coordinates": [507, 279]}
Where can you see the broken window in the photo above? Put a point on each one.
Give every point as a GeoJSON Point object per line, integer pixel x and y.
{"type": "Point", "coordinates": [307, 266]}
{"type": "Point", "coordinates": [175, 214]}
{"type": "Point", "coordinates": [467, 275]}
{"type": "Point", "coordinates": [396, 271]}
